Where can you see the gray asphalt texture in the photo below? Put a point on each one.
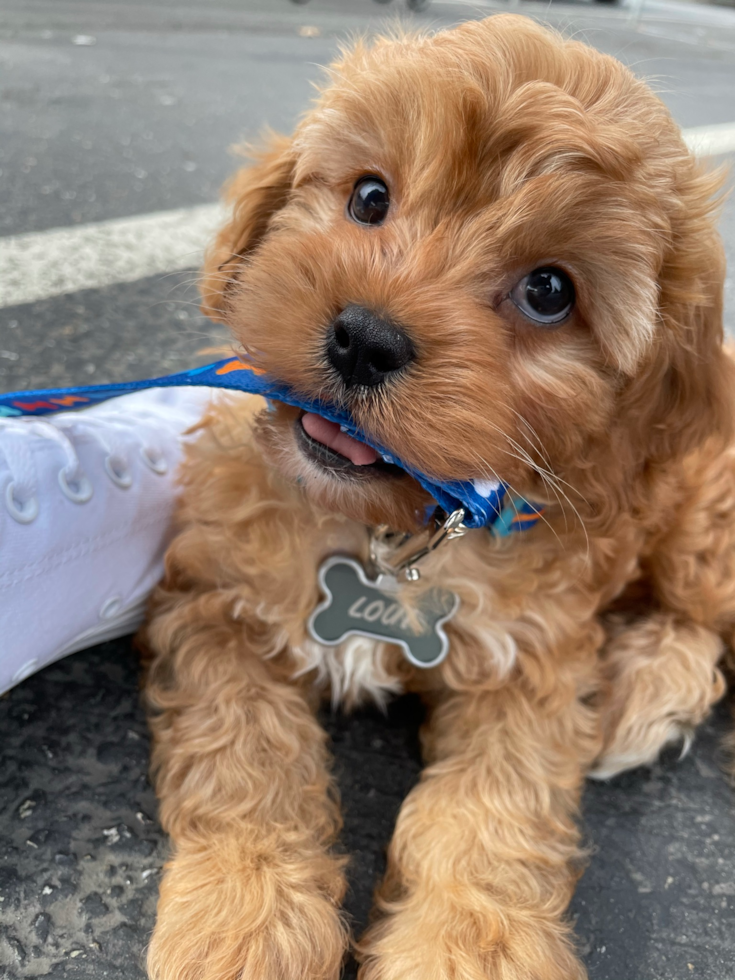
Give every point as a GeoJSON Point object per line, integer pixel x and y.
{"type": "Point", "coordinates": [138, 121]}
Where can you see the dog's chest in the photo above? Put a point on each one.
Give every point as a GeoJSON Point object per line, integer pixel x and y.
{"type": "Point", "coordinates": [368, 658]}
{"type": "Point", "coordinates": [363, 668]}
{"type": "Point", "coordinates": [358, 669]}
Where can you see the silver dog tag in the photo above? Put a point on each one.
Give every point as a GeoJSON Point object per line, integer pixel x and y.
{"type": "Point", "coordinates": [356, 605]}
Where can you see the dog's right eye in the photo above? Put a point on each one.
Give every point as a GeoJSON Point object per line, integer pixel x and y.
{"type": "Point", "coordinates": [369, 202]}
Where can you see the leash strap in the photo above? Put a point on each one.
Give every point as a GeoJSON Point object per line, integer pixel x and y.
{"type": "Point", "coordinates": [487, 504]}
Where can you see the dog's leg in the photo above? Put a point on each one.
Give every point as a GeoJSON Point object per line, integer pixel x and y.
{"type": "Point", "coordinates": [485, 852]}
{"type": "Point", "coordinates": [251, 891]}
{"type": "Point", "coordinates": [662, 679]}
{"type": "Point", "coordinates": [671, 676]}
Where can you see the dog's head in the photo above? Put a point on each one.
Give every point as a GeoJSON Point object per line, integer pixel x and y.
{"type": "Point", "coordinates": [492, 246]}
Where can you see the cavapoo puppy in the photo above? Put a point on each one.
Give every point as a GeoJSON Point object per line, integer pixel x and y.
{"type": "Point", "coordinates": [493, 248]}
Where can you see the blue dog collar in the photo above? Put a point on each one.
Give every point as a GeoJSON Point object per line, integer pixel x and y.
{"type": "Point", "coordinates": [486, 503]}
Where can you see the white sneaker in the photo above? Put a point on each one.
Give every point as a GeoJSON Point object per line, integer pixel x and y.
{"type": "Point", "coordinates": [86, 501]}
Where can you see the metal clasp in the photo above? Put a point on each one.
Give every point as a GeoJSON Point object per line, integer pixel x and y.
{"type": "Point", "coordinates": [396, 555]}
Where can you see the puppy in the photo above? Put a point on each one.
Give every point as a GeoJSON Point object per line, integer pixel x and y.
{"type": "Point", "coordinates": [507, 231]}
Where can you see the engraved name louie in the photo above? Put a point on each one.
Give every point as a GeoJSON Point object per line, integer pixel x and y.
{"type": "Point", "coordinates": [354, 604]}
{"type": "Point", "coordinates": [385, 612]}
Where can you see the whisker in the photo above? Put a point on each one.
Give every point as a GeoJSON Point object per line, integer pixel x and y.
{"type": "Point", "coordinates": [514, 490]}
{"type": "Point", "coordinates": [548, 471]}
{"type": "Point", "coordinates": [548, 482]}
{"type": "Point", "coordinates": [552, 481]}
{"type": "Point", "coordinates": [549, 479]}
{"type": "Point", "coordinates": [538, 445]}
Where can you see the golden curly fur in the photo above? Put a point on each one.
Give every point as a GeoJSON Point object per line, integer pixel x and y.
{"type": "Point", "coordinates": [584, 645]}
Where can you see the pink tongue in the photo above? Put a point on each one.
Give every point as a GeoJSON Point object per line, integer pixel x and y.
{"type": "Point", "coordinates": [329, 434]}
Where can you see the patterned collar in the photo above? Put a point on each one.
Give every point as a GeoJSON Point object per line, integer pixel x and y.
{"type": "Point", "coordinates": [487, 504]}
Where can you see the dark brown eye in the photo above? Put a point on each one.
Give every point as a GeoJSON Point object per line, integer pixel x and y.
{"type": "Point", "coordinates": [369, 202]}
{"type": "Point", "coordinates": [545, 296]}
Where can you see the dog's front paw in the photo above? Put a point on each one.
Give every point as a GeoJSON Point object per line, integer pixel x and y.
{"type": "Point", "coordinates": [663, 679]}
{"type": "Point", "coordinates": [482, 945]}
{"type": "Point", "coordinates": [223, 915]}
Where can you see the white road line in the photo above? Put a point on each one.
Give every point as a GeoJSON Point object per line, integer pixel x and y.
{"type": "Point", "coordinates": [711, 141]}
{"type": "Point", "coordinates": [50, 263]}
{"type": "Point", "coordinates": [64, 260]}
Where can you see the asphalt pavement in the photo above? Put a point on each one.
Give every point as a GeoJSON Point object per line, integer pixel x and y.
{"type": "Point", "coordinates": [114, 110]}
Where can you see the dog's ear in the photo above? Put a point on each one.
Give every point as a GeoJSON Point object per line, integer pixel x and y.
{"type": "Point", "coordinates": [685, 395]}
{"type": "Point", "coordinates": [255, 194]}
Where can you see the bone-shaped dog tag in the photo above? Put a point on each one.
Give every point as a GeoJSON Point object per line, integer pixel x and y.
{"type": "Point", "coordinates": [354, 604]}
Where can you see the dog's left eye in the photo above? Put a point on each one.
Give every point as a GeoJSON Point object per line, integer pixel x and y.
{"type": "Point", "coordinates": [545, 296]}
{"type": "Point", "coordinates": [369, 202]}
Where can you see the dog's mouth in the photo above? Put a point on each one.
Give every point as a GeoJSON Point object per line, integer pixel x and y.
{"type": "Point", "coordinates": [326, 445]}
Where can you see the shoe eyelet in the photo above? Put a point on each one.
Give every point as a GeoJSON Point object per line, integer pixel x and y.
{"type": "Point", "coordinates": [79, 491]}
{"type": "Point", "coordinates": [21, 511]}
{"type": "Point", "coordinates": [154, 462]}
{"type": "Point", "coordinates": [121, 478]}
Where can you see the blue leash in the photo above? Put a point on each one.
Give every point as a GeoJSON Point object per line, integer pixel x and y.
{"type": "Point", "coordinates": [486, 504]}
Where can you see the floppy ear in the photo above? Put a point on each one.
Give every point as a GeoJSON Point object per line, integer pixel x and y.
{"type": "Point", "coordinates": [685, 395]}
{"type": "Point", "coordinates": [255, 193]}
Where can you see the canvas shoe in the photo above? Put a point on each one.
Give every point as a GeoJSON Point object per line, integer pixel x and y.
{"type": "Point", "coordinates": [86, 501]}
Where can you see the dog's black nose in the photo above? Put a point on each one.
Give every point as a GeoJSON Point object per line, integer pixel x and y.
{"type": "Point", "coordinates": [365, 348]}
